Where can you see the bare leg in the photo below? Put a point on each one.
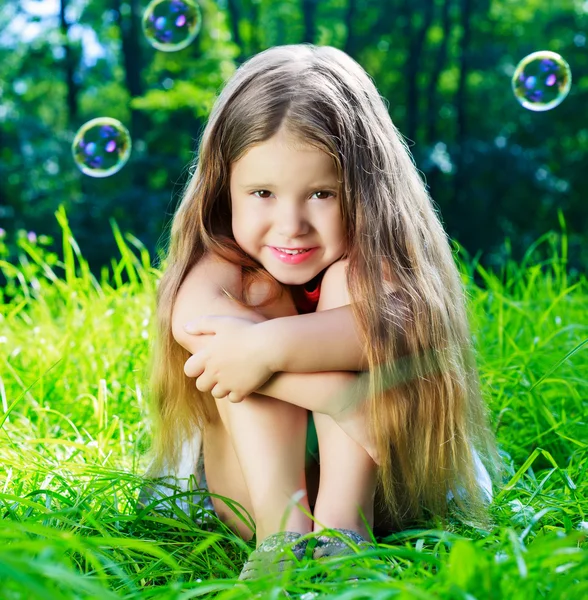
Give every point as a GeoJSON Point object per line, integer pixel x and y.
{"type": "Point", "coordinates": [347, 473]}
{"type": "Point", "coordinates": [259, 459]}
{"type": "Point", "coordinates": [255, 454]}
{"type": "Point", "coordinates": [347, 480]}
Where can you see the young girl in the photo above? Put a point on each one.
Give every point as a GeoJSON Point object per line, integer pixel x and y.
{"type": "Point", "coordinates": [363, 338]}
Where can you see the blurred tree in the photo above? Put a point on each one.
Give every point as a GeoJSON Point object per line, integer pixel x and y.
{"type": "Point", "coordinates": [69, 64]}
{"type": "Point", "coordinates": [493, 168]}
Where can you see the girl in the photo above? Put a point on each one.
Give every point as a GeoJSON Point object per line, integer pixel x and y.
{"type": "Point", "coordinates": [364, 338]}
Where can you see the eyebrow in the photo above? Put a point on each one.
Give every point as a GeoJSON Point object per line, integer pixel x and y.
{"type": "Point", "coordinates": [333, 183]}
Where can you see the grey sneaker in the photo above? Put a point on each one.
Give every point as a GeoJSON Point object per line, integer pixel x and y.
{"type": "Point", "coordinates": [274, 555]}
{"type": "Point", "coordinates": [329, 545]}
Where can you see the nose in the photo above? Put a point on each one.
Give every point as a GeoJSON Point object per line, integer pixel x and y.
{"type": "Point", "coordinates": [292, 222]}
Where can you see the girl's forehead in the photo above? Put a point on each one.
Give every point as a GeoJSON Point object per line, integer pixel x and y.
{"type": "Point", "coordinates": [270, 157]}
{"type": "Point", "coordinates": [284, 145]}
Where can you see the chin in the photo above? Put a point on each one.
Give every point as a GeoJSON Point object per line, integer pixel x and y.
{"type": "Point", "coordinates": [288, 280]}
{"type": "Point", "coordinates": [292, 279]}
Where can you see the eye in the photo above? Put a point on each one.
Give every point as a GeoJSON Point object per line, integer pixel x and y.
{"type": "Point", "coordinates": [319, 192]}
{"type": "Point", "coordinates": [257, 191]}
{"type": "Point", "coordinates": [325, 192]}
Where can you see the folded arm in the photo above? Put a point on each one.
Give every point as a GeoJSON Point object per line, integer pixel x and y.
{"type": "Point", "coordinates": [328, 393]}
{"type": "Point", "coordinates": [327, 340]}
{"type": "Point", "coordinates": [316, 388]}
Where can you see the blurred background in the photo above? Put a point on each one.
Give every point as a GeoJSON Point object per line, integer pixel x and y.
{"type": "Point", "coordinates": [495, 170]}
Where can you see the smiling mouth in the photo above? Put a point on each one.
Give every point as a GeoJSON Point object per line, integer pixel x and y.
{"type": "Point", "coordinates": [293, 251]}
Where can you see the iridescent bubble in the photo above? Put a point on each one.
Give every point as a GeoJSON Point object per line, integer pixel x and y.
{"type": "Point", "coordinates": [101, 147]}
{"type": "Point", "coordinates": [542, 80]}
{"type": "Point", "coordinates": [171, 25]}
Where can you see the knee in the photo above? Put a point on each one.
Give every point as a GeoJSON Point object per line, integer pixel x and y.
{"type": "Point", "coordinates": [260, 410]}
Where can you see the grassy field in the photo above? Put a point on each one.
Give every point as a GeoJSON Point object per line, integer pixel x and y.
{"type": "Point", "coordinates": [74, 430]}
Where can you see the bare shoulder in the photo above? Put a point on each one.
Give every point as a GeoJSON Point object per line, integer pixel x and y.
{"type": "Point", "coordinates": [202, 287]}
{"type": "Point", "coordinates": [337, 274]}
{"type": "Point", "coordinates": [201, 293]}
{"type": "Point", "coordinates": [215, 272]}
{"type": "Point", "coordinates": [337, 269]}
{"type": "Point", "coordinates": [334, 288]}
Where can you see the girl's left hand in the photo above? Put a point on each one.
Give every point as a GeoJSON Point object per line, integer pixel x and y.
{"type": "Point", "coordinates": [233, 364]}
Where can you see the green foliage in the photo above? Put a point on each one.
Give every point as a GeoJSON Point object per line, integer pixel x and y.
{"type": "Point", "coordinates": [184, 95]}
{"type": "Point", "coordinates": [494, 168]}
{"type": "Point", "coordinates": [75, 426]}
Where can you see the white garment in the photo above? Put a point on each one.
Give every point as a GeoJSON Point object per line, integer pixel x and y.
{"type": "Point", "coordinates": [191, 464]}
{"type": "Point", "coordinates": [482, 476]}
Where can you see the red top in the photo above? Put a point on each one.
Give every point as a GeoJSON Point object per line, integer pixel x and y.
{"type": "Point", "coordinates": [306, 302]}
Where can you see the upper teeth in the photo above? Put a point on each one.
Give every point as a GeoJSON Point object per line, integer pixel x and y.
{"type": "Point", "coordinates": [292, 251]}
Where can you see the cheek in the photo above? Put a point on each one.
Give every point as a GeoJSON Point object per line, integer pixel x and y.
{"type": "Point", "coordinates": [244, 221]}
{"type": "Point", "coordinates": [245, 229]}
{"type": "Point", "coordinates": [339, 229]}
{"type": "Point", "coordinates": [238, 216]}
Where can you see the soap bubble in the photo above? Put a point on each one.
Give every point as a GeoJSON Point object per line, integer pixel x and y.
{"type": "Point", "coordinates": [171, 25]}
{"type": "Point", "coordinates": [101, 147]}
{"type": "Point", "coordinates": [541, 81]}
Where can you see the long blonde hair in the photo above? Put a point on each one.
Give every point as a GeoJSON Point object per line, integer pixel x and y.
{"type": "Point", "coordinates": [426, 425]}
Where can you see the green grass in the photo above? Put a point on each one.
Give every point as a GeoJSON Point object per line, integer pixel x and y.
{"type": "Point", "coordinates": [74, 429]}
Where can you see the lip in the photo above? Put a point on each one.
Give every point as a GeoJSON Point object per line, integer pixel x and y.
{"type": "Point", "coordinates": [290, 259]}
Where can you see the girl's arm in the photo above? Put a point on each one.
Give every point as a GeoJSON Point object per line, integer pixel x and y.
{"type": "Point", "coordinates": [327, 340]}
{"type": "Point", "coordinates": [329, 393]}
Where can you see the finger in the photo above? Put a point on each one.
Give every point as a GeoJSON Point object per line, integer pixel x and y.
{"type": "Point", "coordinates": [218, 392]}
{"type": "Point", "coordinates": [233, 397]}
{"type": "Point", "coordinates": [204, 384]}
{"type": "Point", "coordinates": [194, 366]}
{"type": "Point", "coordinates": [201, 325]}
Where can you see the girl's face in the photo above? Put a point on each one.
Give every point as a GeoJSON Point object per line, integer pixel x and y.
{"type": "Point", "coordinates": [284, 195]}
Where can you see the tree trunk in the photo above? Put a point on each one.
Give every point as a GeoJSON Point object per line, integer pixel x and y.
{"type": "Point", "coordinates": [255, 29]}
{"type": "Point", "coordinates": [350, 41]}
{"type": "Point", "coordinates": [234, 18]}
{"type": "Point", "coordinates": [309, 17]}
{"type": "Point", "coordinates": [460, 179]}
{"type": "Point", "coordinates": [72, 88]}
{"type": "Point", "coordinates": [432, 115]}
{"type": "Point", "coordinates": [130, 29]}
{"type": "Point", "coordinates": [440, 58]}
{"type": "Point", "coordinates": [413, 65]}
